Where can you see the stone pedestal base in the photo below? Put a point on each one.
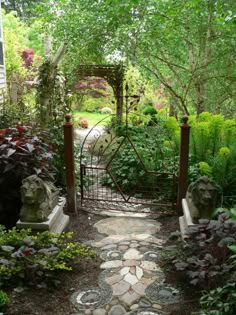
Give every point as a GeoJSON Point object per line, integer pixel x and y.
{"type": "Point", "coordinates": [57, 220]}
{"type": "Point", "coordinates": [186, 221]}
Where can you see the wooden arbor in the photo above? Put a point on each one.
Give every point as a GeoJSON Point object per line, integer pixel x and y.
{"type": "Point", "coordinates": [113, 74]}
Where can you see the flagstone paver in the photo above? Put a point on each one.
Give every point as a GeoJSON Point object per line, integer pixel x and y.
{"type": "Point", "coordinates": [139, 272]}
{"type": "Point", "coordinates": [111, 264]}
{"type": "Point", "coordinates": [120, 287]}
{"type": "Point", "coordinates": [131, 279]}
{"type": "Point", "coordinates": [132, 253]}
{"type": "Point", "coordinates": [139, 288]}
{"type": "Point", "coordinates": [149, 265]}
{"type": "Point", "coordinates": [132, 262]}
{"type": "Point", "coordinates": [129, 297]}
{"type": "Point", "coordinates": [113, 279]}
{"type": "Point", "coordinates": [124, 271]}
{"type": "Point", "coordinates": [110, 246]}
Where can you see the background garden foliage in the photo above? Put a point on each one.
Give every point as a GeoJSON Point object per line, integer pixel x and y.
{"type": "Point", "coordinates": [212, 149]}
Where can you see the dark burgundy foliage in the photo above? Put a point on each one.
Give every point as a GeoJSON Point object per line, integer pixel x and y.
{"type": "Point", "coordinates": [23, 151]}
{"type": "Point", "coordinates": [205, 255]}
{"type": "Point", "coordinates": [92, 86]}
{"type": "Point", "coordinates": [28, 57]}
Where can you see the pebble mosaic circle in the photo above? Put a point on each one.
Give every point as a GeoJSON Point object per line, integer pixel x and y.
{"type": "Point", "coordinates": [89, 297]}
{"type": "Point", "coordinates": [111, 255]}
{"type": "Point", "coordinates": [151, 256]}
{"type": "Point", "coordinates": [93, 298]}
{"type": "Point", "coordinates": [163, 293]}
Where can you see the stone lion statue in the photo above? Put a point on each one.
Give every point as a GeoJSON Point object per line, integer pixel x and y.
{"type": "Point", "coordinates": [202, 197]}
{"type": "Point", "coordinates": [38, 197]}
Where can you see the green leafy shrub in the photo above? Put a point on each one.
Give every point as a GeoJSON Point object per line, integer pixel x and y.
{"type": "Point", "coordinates": [4, 300]}
{"type": "Point", "coordinates": [220, 301]}
{"type": "Point", "coordinates": [149, 110]}
{"type": "Point", "coordinates": [106, 110]}
{"type": "Point", "coordinates": [204, 256]}
{"type": "Point", "coordinates": [151, 149]}
{"type": "Point", "coordinates": [213, 149]}
{"type": "Point", "coordinates": [91, 104]}
{"type": "Point", "coordinates": [16, 114]}
{"type": "Point", "coordinates": [28, 258]}
{"type": "Point", "coordinates": [136, 120]}
{"type": "Point", "coordinates": [126, 168]}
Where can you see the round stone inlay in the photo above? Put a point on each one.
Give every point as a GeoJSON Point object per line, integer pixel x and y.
{"type": "Point", "coordinates": [111, 255]}
{"type": "Point", "coordinates": [89, 297]}
{"type": "Point", "coordinates": [163, 293]}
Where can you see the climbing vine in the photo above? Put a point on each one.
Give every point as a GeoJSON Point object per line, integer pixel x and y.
{"type": "Point", "coordinates": [51, 96]}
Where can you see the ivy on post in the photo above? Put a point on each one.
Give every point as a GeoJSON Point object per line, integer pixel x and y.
{"type": "Point", "coordinates": [183, 163]}
{"type": "Point", "coordinates": [50, 98]}
{"type": "Point", "coordinates": [70, 165]}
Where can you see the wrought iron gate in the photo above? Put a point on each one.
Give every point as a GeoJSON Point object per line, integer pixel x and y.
{"type": "Point", "coordinates": [134, 163]}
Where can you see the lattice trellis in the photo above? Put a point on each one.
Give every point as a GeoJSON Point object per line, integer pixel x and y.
{"type": "Point", "coordinates": [113, 74]}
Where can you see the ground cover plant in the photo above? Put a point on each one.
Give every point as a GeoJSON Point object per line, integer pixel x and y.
{"type": "Point", "coordinates": [29, 258]}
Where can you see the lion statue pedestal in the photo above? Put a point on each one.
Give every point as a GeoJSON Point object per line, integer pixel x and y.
{"type": "Point", "coordinates": [42, 208]}
{"type": "Point", "coordinates": [200, 202]}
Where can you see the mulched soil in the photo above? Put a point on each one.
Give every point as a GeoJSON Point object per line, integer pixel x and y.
{"type": "Point", "coordinates": [56, 301]}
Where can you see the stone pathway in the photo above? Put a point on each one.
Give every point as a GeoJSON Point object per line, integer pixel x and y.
{"type": "Point", "coordinates": [131, 281]}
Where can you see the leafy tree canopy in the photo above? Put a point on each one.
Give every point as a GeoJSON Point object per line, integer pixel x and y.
{"type": "Point", "coordinates": [187, 46]}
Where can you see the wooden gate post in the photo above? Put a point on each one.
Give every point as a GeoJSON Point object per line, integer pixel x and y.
{"type": "Point", "coordinates": [183, 163]}
{"type": "Point", "coordinates": [70, 164]}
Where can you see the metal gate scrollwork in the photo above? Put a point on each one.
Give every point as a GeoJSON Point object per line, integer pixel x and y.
{"type": "Point", "coordinates": [128, 163]}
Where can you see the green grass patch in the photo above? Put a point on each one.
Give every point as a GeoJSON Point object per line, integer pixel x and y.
{"type": "Point", "coordinates": [93, 118]}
